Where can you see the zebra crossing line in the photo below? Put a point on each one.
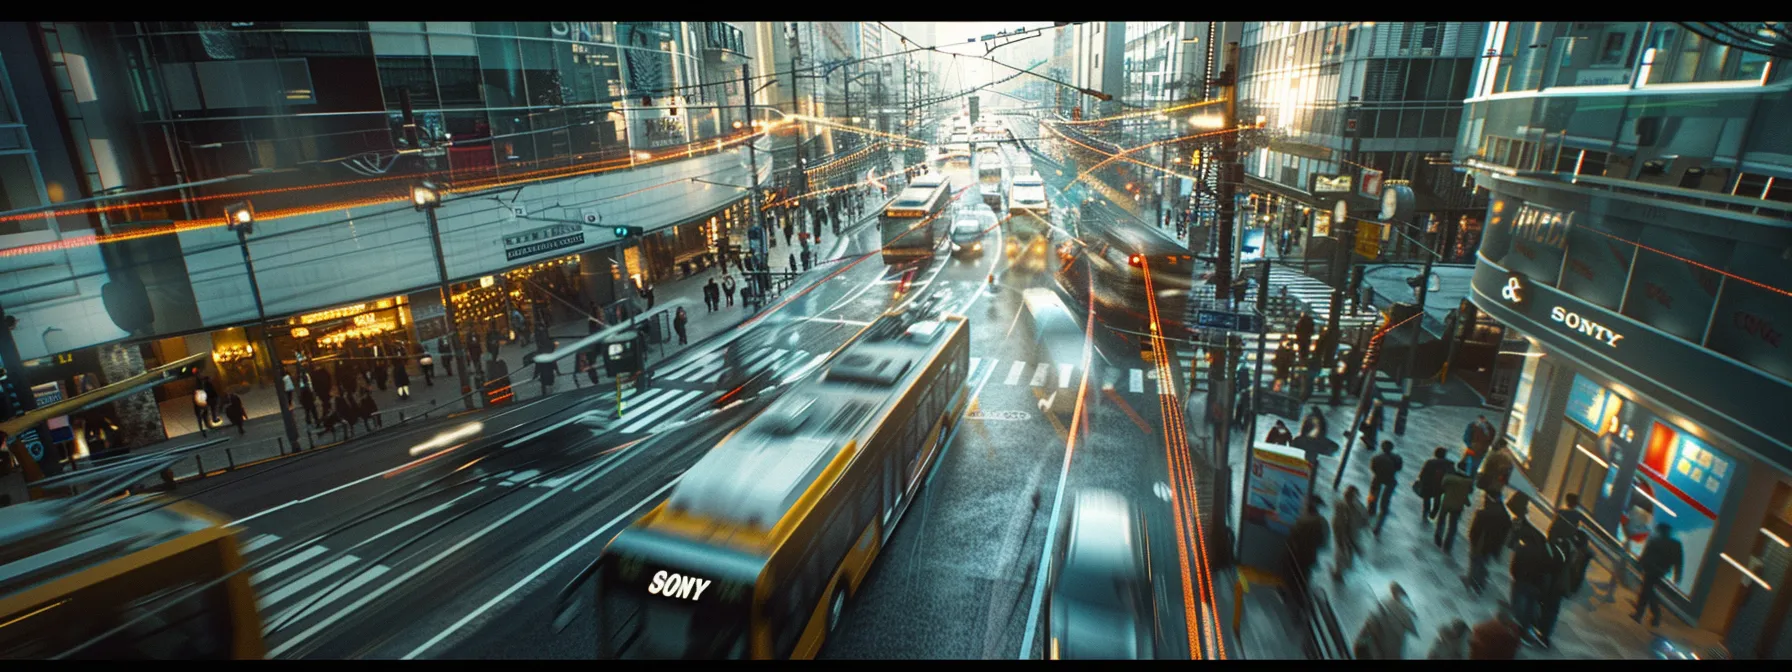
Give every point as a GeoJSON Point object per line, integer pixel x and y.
{"type": "Point", "coordinates": [289, 586]}
{"type": "Point", "coordinates": [709, 368]}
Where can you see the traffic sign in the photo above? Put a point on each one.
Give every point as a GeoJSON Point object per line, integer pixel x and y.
{"type": "Point", "coordinates": [1218, 319]}
{"type": "Point", "coordinates": [1368, 239]}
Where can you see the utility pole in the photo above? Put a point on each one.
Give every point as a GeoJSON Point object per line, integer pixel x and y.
{"type": "Point", "coordinates": [1231, 173]}
{"type": "Point", "coordinates": [241, 219]}
{"type": "Point", "coordinates": [756, 235]}
{"type": "Point", "coordinates": [1412, 348]}
{"type": "Point", "coordinates": [1256, 384]}
{"type": "Point", "coordinates": [427, 197]}
{"type": "Point", "coordinates": [796, 103]}
{"type": "Point", "coordinates": [1344, 233]}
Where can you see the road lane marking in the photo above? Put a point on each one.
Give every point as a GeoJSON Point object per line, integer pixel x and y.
{"type": "Point", "coordinates": [1063, 376]}
{"type": "Point", "coordinates": [432, 511]}
{"type": "Point", "coordinates": [613, 461]}
{"type": "Point", "coordinates": [258, 542]}
{"type": "Point", "coordinates": [1136, 384]}
{"type": "Point", "coordinates": [1014, 373]}
{"type": "Point", "coordinates": [1163, 490]}
{"type": "Point", "coordinates": [303, 582]}
{"type": "Point", "coordinates": [360, 580]}
{"type": "Point", "coordinates": [450, 630]}
{"type": "Point", "coordinates": [257, 578]}
{"type": "Point", "coordinates": [762, 360]}
{"type": "Point", "coordinates": [1040, 373]}
{"type": "Point", "coordinates": [677, 403]}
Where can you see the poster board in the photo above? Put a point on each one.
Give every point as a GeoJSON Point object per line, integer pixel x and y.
{"type": "Point", "coordinates": [1278, 490]}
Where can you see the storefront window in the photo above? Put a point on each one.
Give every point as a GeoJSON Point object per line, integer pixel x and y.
{"type": "Point", "coordinates": [1681, 481]}
{"type": "Point", "coordinates": [1518, 436]}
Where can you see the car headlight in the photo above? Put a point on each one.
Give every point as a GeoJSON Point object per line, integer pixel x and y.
{"type": "Point", "coordinates": [977, 247]}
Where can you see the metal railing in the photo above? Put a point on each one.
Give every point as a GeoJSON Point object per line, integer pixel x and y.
{"type": "Point", "coordinates": [1322, 636]}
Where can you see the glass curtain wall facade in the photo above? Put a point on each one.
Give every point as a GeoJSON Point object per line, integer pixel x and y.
{"type": "Point", "coordinates": [1638, 241]}
{"type": "Point", "coordinates": [1360, 106]}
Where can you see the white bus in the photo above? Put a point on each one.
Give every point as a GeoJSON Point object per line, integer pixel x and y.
{"type": "Point", "coordinates": [992, 178]}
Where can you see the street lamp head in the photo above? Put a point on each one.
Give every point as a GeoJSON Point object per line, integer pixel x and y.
{"type": "Point", "coordinates": [425, 195]}
{"type": "Point", "coordinates": [737, 124]}
{"type": "Point", "coordinates": [240, 217]}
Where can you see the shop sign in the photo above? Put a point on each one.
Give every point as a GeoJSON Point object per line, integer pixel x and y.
{"type": "Point", "coordinates": [1575, 322]}
{"type": "Point", "coordinates": [545, 239]}
{"type": "Point", "coordinates": [1331, 184]}
{"type": "Point", "coordinates": [1371, 184]}
{"type": "Point", "coordinates": [1368, 239]}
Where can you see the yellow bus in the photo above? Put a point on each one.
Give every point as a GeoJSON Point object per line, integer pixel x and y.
{"type": "Point", "coordinates": [759, 545]}
{"type": "Point", "coordinates": [70, 573]}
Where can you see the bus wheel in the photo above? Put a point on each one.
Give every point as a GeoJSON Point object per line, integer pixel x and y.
{"type": "Point", "coordinates": [836, 607]}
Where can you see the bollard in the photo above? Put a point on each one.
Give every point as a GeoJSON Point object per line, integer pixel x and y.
{"type": "Point", "coordinates": [280, 442]}
{"type": "Point", "coordinates": [200, 463]}
{"type": "Point", "coordinates": [1239, 588]}
{"type": "Point", "coordinates": [401, 417]}
{"type": "Point", "coordinates": [230, 458]}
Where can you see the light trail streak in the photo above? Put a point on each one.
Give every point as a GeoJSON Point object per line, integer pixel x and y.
{"type": "Point", "coordinates": [1143, 113]}
{"type": "Point", "coordinates": [1183, 487]}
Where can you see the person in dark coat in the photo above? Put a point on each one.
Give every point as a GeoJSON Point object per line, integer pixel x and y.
{"type": "Point", "coordinates": [647, 293]}
{"type": "Point", "coordinates": [1579, 561]}
{"type": "Point", "coordinates": [678, 324]}
{"type": "Point", "coordinates": [494, 342]}
{"type": "Point", "coordinates": [1531, 566]}
{"type": "Point", "coordinates": [1314, 424]}
{"type": "Point", "coordinates": [1304, 542]}
{"type": "Point", "coordinates": [1303, 334]}
{"type": "Point", "coordinates": [728, 289]}
{"type": "Point", "coordinates": [1430, 484]}
{"type": "Point", "coordinates": [1487, 535]}
{"type": "Point", "coordinates": [233, 409]}
{"type": "Point", "coordinates": [215, 399]}
{"type": "Point", "coordinates": [712, 295]}
{"type": "Point", "coordinates": [1554, 585]}
{"type": "Point", "coordinates": [1455, 487]}
{"type": "Point", "coordinates": [1372, 424]}
{"type": "Point", "coordinates": [348, 412]}
{"type": "Point", "coordinates": [381, 367]}
{"type": "Point", "coordinates": [445, 350]}
{"type": "Point", "coordinates": [1279, 435]}
{"type": "Point", "coordinates": [545, 372]}
{"type": "Point", "coordinates": [401, 379]}
{"type": "Point", "coordinates": [308, 400]}
{"type": "Point", "coordinates": [1568, 518]}
{"type": "Point", "coordinates": [1662, 555]}
{"type": "Point", "coordinates": [427, 363]}
{"type": "Point", "coordinates": [474, 352]}
{"type": "Point", "coordinates": [1385, 467]}
{"type": "Point", "coordinates": [370, 412]}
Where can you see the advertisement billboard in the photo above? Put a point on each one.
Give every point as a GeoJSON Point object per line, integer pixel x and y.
{"type": "Point", "coordinates": [1681, 482]}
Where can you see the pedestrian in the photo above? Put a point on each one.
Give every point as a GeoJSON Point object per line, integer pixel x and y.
{"type": "Point", "coordinates": [1348, 521]}
{"type": "Point", "coordinates": [287, 387]}
{"type": "Point", "coordinates": [1430, 484]}
{"type": "Point", "coordinates": [445, 348]}
{"type": "Point", "coordinates": [1372, 424]}
{"type": "Point", "coordinates": [370, 412]}
{"type": "Point", "coordinates": [1279, 435]}
{"type": "Point", "coordinates": [235, 412]}
{"type": "Point", "coordinates": [1531, 566]}
{"type": "Point", "coordinates": [1455, 487]}
{"type": "Point", "coordinates": [380, 366]}
{"type": "Point", "coordinates": [792, 266]}
{"type": "Point", "coordinates": [1385, 467]}
{"type": "Point", "coordinates": [728, 289]}
{"type": "Point", "coordinates": [202, 402]}
{"type": "Point", "coordinates": [401, 379]}
{"type": "Point", "coordinates": [493, 342]}
{"type": "Point", "coordinates": [1496, 469]}
{"type": "Point", "coordinates": [1303, 334]}
{"type": "Point", "coordinates": [1555, 587]}
{"type": "Point", "coordinates": [545, 372]}
{"type": "Point", "coordinates": [474, 353]}
{"type": "Point", "coordinates": [1314, 425]}
{"type": "Point", "coordinates": [1661, 555]}
{"type": "Point", "coordinates": [647, 293]}
{"type": "Point", "coordinates": [1568, 518]}
{"type": "Point", "coordinates": [348, 413]}
{"type": "Point", "coordinates": [1496, 638]}
{"type": "Point", "coordinates": [308, 400]}
{"type": "Point", "coordinates": [427, 363]}
{"type": "Point", "coordinates": [1304, 540]}
{"type": "Point", "coordinates": [1383, 636]}
{"type": "Point", "coordinates": [1487, 535]}
{"type": "Point", "coordinates": [1579, 561]}
{"type": "Point", "coordinates": [1451, 642]}
{"type": "Point", "coordinates": [712, 294]}
{"type": "Point", "coordinates": [678, 324]}
{"type": "Point", "coordinates": [1477, 437]}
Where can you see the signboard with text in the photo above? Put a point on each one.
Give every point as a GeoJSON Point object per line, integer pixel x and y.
{"type": "Point", "coordinates": [1368, 239]}
{"type": "Point", "coordinates": [1370, 187]}
{"type": "Point", "coordinates": [543, 240]}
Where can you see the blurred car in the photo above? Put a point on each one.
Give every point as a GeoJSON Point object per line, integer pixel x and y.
{"type": "Point", "coordinates": [1099, 603]}
{"type": "Point", "coordinates": [967, 237]}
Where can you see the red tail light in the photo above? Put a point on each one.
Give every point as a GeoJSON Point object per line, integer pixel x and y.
{"type": "Point", "coordinates": [1136, 260]}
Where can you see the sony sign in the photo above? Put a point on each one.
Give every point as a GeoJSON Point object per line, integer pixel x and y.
{"type": "Point", "coordinates": [1575, 322]}
{"type": "Point", "coordinates": [677, 585]}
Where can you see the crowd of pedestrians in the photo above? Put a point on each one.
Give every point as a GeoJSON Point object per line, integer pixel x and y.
{"type": "Point", "coordinates": [1547, 567]}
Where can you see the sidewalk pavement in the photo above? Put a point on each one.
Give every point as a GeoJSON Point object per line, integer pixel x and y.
{"type": "Point", "coordinates": [1589, 628]}
{"type": "Point", "coordinates": [263, 436]}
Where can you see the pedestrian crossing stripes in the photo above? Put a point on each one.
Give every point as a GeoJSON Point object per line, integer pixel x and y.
{"type": "Point", "coordinates": [295, 588]}
{"type": "Point", "coordinates": [709, 368]}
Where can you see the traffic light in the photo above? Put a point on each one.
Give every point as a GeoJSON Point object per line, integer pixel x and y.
{"type": "Point", "coordinates": [627, 231]}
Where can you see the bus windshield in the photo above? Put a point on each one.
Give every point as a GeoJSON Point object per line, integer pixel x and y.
{"type": "Point", "coordinates": [654, 613]}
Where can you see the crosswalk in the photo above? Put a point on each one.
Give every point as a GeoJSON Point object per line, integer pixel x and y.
{"type": "Point", "coordinates": [305, 582]}
{"type": "Point", "coordinates": [1314, 296]}
{"type": "Point", "coordinates": [709, 368]}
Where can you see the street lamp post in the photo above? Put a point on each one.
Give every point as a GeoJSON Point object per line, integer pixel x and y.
{"type": "Point", "coordinates": [426, 197]}
{"type": "Point", "coordinates": [756, 235]}
{"type": "Point", "coordinates": [241, 219]}
{"type": "Point", "coordinates": [1412, 348]}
